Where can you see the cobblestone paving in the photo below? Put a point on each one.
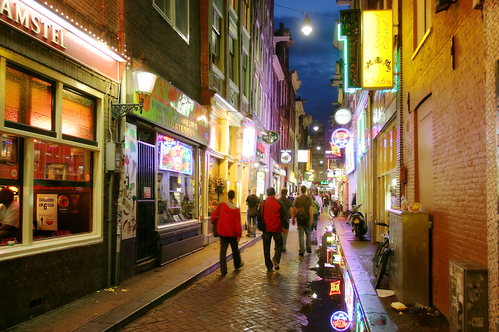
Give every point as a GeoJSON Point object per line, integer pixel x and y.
{"type": "Point", "coordinates": [250, 299]}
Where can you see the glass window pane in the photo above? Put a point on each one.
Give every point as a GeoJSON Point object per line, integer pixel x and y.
{"type": "Point", "coordinates": [61, 211]}
{"type": "Point", "coordinates": [61, 163]}
{"type": "Point", "coordinates": [10, 216]}
{"type": "Point", "coordinates": [9, 157]}
{"type": "Point", "coordinates": [164, 6]}
{"type": "Point", "coordinates": [77, 115]}
{"type": "Point", "coordinates": [28, 100]}
{"type": "Point", "coordinates": [176, 181]}
{"type": "Point", "coordinates": [182, 17]}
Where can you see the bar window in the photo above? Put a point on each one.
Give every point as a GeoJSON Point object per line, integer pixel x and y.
{"type": "Point", "coordinates": [78, 115]}
{"type": "Point", "coordinates": [28, 99]}
{"type": "Point", "coordinates": [9, 162]}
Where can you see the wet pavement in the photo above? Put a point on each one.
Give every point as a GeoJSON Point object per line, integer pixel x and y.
{"type": "Point", "coordinates": [333, 285]}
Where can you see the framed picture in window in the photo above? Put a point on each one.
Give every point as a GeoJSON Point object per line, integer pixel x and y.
{"type": "Point", "coordinates": [58, 171]}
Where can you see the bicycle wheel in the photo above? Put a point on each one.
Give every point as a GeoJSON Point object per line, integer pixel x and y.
{"type": "Point", "coordinates": [382, 268]}
{"type": "Point", "coordinates": [377, 258]}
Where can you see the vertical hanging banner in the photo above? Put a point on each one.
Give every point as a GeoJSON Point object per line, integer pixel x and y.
{"type": "Point", "coordinates": [377, 49]}
{"type": "Point", "coordinates": [349, 33]}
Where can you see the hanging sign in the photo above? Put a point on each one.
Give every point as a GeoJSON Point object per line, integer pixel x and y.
{"type": "Point", "coordinates": [286, 156]}
{"type": "Point", "coordinates": [377, 49]}
{"type": "Point", "coordinates": [343, 116]}
{"type": "Point", "coordinates": [341, 137]}
{"type": "Point", "coordinates": [271, 137]}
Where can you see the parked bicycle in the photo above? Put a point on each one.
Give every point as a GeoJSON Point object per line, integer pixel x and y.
{"type": "Point", "coordinates": [380, 260]}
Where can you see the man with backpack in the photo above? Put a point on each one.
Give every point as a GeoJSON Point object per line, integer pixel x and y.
{"type": "Point", "coordinates": [304, 215]}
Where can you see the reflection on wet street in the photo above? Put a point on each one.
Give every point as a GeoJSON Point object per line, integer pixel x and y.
{"type": "Point", "coordinates": [335, 305]}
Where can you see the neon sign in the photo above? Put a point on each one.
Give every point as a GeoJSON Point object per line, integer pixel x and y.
{"type": "Point", "coordinates": [175, 156]}
{"type": "Point", "coordinates": [248, 154]}
{"type": "Point", "coordinates": [349, 295]}
{"type": "Point", "coordinates": [335, 288]}
{"type": "Point", "coordinates": [341, 137]}
{"type": "Point", "coordinates": [339, 321]}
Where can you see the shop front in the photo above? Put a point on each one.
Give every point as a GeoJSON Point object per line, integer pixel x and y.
{"type": "Point", "coordinates": [385, 144]}
{"type": "Point", "coordinates": [161, 184]}
{"type": "Point", "coordinates": [53, 100]}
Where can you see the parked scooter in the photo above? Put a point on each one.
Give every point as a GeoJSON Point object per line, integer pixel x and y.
{"type": "Point", "coordinates": [336, 207]}
{"type": "Point", "coordinates": [358, 222]}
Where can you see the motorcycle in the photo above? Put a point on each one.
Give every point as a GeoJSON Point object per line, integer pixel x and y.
{"type": "Point", "coordinates": [356, 218]}
{"type": "Point", "coordinates": [336, 207]}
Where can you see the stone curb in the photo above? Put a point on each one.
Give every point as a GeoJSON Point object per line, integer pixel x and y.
{"type": "Point", "coordinates": [378, 319]}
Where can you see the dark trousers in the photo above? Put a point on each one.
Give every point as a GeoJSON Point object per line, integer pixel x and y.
{"type": "Point", "coordinates": [267, 239]}
{"type": "Point", "coordinates": [236, 255]}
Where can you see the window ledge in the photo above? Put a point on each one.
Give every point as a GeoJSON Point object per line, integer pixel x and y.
{"type": "Point", "coordinates": [425, 37]}
{"type": "Point", "coordinates": [49, 245]}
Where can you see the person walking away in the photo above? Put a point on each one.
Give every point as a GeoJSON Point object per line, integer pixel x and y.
{"type": "Point", "coordinates": [252, 201]}
{"type": "Point", "coordinates": [315, 209]}
{"type": "Point", "coordinates": [326, 202]}
{"type": "Point", "coordinates": [288, 205]}
{"type": "Point", "coordinates": [303, 216]}
{"type": "Point", "coordinates": [229, 230]}
{"type": "Point", "coordinates": [318, 198]}
{"type": "Point", "coordinates": [273, 221]}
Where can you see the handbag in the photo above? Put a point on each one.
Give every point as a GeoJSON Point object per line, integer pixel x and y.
{"type": "Point", "coordinates": [261, 222]}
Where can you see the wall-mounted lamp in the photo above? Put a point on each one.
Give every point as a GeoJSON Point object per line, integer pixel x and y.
{"type": "Point", "coordinates": [318, 148]}
{"type": "Point", "coordinates": [143, 80]}
{"type": "Point", "coordinates": [443, 5]}
{"type": "Point", "coordinates": [307, 29]}
{"type": "Point", "coordinates": [316, 126]}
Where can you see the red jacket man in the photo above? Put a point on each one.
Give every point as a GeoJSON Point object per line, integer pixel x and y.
{"type": "Point", "coordinates": [228, 218]}
{"type": "Point", "coordinates": [275, 221]}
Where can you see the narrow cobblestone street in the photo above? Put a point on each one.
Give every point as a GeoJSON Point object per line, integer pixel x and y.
{"type": "Point", "coordinates": [250, 299]}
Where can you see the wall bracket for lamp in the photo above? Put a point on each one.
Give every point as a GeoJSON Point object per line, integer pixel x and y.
{"type": "Point", "coordinates": [121, 110]}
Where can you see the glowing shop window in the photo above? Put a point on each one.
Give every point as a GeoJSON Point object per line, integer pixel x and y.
{"type": "Point", "coordinates": [77, 115]}
{"type": "Point", "coordinates": [62, 163]}
{"type": "Point", "coordinates": [9, 157]}
{"type": "Point", "coordinates": [28, 100]}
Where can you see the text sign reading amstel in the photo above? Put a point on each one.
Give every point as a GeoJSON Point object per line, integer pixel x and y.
{"type": "Point", "coordinates": [377, 49]}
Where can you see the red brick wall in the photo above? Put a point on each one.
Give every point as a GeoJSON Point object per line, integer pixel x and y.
{"type": "Point", "coordinates": [459, 135]}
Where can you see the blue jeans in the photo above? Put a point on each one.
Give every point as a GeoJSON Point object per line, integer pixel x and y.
{"type": "Point", "coordinates": [252, 220]}
{"type": "Point", "coordinates": [302, 230]}
{"type": "Point", "coordinates": [267, 239]}
{"type": "Point", "coordinates": [236, 255]}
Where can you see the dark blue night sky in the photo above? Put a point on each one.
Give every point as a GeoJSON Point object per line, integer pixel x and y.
{"type": "Point", "coordinates": [313, 56]}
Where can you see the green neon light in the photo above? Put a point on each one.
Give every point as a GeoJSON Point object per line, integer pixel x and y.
{"type": "Point", "coordinates": [345, 57]}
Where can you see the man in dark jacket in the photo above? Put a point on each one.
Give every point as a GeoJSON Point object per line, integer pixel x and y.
{"type": "Point", "coordinates": [252, 201]}
{"type": "Point", "coordinates": [229, 230]}
{"type": "Point", "coordinates": [288, 205]}
{"type": "Point", "coordinates": [275, 218]}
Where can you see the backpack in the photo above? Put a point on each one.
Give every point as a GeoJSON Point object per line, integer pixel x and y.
{"type": "Point", "coordinates": [315, 207]}
{"type": "Point", "coordinates": [302, 215]}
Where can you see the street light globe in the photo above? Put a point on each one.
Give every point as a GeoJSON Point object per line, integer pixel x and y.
{"type": "Point", "coordinates": [318, 148]}
{"type": "Point", "coordinates": [316, 127]}
{"type": "Point", "coordinates": [307, 29]}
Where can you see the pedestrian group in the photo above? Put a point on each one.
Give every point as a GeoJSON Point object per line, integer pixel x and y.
{"type": "Point", "coordinates": [272, 217]}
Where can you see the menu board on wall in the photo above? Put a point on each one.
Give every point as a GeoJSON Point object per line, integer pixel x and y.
{"type": "Point", "coordinates": [46, 212]}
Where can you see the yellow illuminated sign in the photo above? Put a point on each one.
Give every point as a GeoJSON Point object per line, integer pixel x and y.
{"type": "Point", "coordinates": [308, 161]}
{"type": "Point", "coordinates": [377, 49]}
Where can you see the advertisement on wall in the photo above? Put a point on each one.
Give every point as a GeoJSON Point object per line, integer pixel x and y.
{"type": "Point", "coordinates": [46, 212]}
{"type": "Point", "coordinates": [174, 156]}
{"type": "Point", "coordinates": [260, 183]}
{"type": "Point", "coordinates": [127, 212]}
{"type": "Point", "coordinates": [172, 109]}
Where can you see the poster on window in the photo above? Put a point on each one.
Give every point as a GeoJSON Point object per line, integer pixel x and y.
{"type": "Point", "coordinates": [46, 212]}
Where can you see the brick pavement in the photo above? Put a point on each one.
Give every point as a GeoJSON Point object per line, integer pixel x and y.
{"type": "Point", "coordinates": [249, 299]}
